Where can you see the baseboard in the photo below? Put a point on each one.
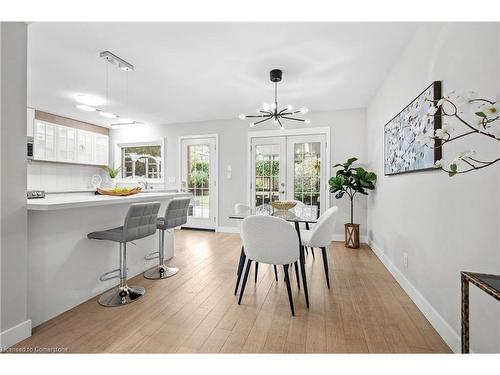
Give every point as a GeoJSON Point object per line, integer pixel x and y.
{"type": "Point", "coordinates": [438, 322]}
{"type": "Point", "coordinates": [15, 334]}
{"type": "Point", "coordinates": [341, 238]}
{"type": "Point", "coordinates": [228, 229]}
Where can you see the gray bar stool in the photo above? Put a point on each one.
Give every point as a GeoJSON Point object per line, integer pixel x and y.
{"type": "Point", "coordinates": [140, 222]}
{"type": "Point", "coordinates": [175, 215]}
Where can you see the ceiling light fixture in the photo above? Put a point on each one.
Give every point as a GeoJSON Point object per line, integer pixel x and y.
{"type": "Point", "coordinates": [115, 60]}
{"type": "Point", "coordinates": [107, 114]}
{"type": "Point", "coordinates": [86, 108]}
{"type": "Point", "coordinates": [89, 100]}
{"type": "Point", "coordinates": [272, 111]}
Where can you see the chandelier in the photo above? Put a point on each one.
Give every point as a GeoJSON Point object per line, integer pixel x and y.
{"type": "Point", "coordinates": [272, 111]}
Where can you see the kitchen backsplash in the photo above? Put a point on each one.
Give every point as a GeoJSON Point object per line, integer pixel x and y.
{"type": "Point", "coordinates": [56, 177]}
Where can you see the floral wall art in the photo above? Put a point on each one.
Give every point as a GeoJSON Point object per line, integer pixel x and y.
{"type": "Point", "coordinates": [404, 149]}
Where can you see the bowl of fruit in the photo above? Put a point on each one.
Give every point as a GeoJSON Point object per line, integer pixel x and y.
{"type": "Point", "coordinates": [119, 191]}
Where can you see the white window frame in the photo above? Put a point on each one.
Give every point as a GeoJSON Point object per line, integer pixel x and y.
{"type": "Point", "coordinates": [140, 143]}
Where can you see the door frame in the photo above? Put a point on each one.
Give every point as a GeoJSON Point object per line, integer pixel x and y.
{"type": "Point", "coordinates": [325, 130]}
{"type": "Point", "coordinates": [179, 174]}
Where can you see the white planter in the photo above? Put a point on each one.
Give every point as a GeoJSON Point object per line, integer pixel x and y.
{"type": "Point", "coordinates": [111, 183]}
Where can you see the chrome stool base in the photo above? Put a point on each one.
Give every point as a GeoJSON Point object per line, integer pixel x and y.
{"type": "Point", "coordinates": [119, 296]}
{"type": "Point", "coordinates": [160, 272]}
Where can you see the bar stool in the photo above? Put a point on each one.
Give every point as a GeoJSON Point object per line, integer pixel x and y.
{"type": "Point", "coordinates": [140, 222]}
{"type": "Point", "coordinates": [175, 215]}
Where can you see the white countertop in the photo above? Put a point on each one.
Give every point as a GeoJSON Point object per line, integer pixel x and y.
{"type": "Point", "coordinates": [64, 201]}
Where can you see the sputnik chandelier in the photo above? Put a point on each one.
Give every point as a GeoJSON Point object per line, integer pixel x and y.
{"type": "Point", "coordinates": [272, 111]}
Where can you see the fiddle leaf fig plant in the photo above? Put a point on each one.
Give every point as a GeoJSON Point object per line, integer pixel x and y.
{"type": "Point", "coordinates": [351, 180]}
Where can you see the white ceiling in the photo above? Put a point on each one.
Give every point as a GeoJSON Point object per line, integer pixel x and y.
{"type": "Point", "coordinates": [205, 71]}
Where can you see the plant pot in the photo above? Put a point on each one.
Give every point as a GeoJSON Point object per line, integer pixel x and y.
{"type": "Point", "coordinates": [351, 235]}
{"type": "Point", "coordinates": [111, 183]}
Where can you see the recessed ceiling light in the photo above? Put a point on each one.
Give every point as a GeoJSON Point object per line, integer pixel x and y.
{"type": "Point", "coordinates": [86, 108]}
{"type": "Point", "coordinates": [107, 114]}
{"type": "Point", "coordinates": [88, 99]}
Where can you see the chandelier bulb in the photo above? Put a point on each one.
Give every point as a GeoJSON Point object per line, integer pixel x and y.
{"type": "Point", "coordinates": [242, 116]}
{"type": "Point", "coordinates": [265, 107]}
{"type": "Point", "coordinates": [273, 106]}
{"type": "Point", "coordinates": [304, 110]}
{"type": "Point", "coordinates": [289, 107]}
{"type": "Point", "coordinates": [307, 121]}
{"type": "Point", "coordinates": [252, 124]}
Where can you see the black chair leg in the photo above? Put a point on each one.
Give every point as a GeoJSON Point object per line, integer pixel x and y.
{"type": "Point", "coordinates": [312, 251]}
{"type": "Point", "coordinates": [245, 277]}
{"type": "Point", "coordinates": [297, 274]}
{"type": "Point", "coordinates": [325, 264]}
{"type": "Point", "coordinates": [307, 251]}
{"type": "Point", "coordinates": [256, 270]}
{"type": "Point", "coordinates": [288, 288]}
{"type": "Point", "coordinates": [304, 277]}
{"type": "Point", "coordinates": [275, 272]}
{"type": "Point", "coordinates": [240, 270]}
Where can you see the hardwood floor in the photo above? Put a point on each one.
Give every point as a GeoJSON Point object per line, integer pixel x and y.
{"type": "Point", "coordinates": [365, 311]}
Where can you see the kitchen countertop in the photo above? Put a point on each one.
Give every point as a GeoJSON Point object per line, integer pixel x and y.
{"type": "Point", "coordinates": [65, 201]}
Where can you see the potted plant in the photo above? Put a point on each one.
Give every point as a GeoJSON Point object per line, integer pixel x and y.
{"type": "Point", "coordinates": [112, 173]}
{"type": "Point", "coordinates": [351, 181]}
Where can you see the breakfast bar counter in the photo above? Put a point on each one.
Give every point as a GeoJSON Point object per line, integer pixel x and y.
{"type": "Point", "coordinates": [65, 266]}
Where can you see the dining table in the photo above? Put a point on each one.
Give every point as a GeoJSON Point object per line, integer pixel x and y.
{"type": "Point", "coordinates": [307, 214]}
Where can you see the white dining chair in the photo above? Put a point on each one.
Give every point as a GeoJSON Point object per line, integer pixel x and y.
{"type": "Point", "coordinates": [269, 240]}
{"type": "Point", "coordinates": [244, 210]}
{"type": "Point", "coordinates": [321, 236]}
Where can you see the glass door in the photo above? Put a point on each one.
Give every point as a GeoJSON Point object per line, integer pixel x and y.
{"type": "Point", "coordinates": [268, 170]}
{"type": "Point", "coordinates": [289, 168]}
{"type": "Point", "coordinates": [305, 174]}
{"type": "Point", "coordinates": [199, 178]}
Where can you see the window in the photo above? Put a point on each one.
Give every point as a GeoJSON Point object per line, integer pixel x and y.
{"type": "Point", "coordinates": [141, 160]}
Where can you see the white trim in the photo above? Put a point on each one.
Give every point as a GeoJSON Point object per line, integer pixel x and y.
{"type": "Point", "coordinates": [298, 131]}
{"type": "Point", "coordinates": [15, 334]}
{"type": "Point", "coordinates": [217, 183]}
{"type": "Point", "coordinates": [117, 158]}
{"type": "Point", "coordinates": [228, 229]}
{"type": "Point", "coordinates": [438, 322]}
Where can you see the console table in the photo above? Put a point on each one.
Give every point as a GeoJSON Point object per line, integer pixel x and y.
{"type": "Point", "coordinates": [490, 284]}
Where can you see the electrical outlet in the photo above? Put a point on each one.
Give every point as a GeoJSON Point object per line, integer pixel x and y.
{"type": "Point", "coordinates": [405, 259]}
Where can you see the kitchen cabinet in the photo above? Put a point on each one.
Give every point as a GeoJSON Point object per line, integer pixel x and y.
{"type": "Point", "coordinates": [45, 141]}
{"type": "Point", "coordinates": [101, 149]}
{"type": "Point", "coordinates": [85, 145]}
{"type": "Point", "coordinates": [65, 144]}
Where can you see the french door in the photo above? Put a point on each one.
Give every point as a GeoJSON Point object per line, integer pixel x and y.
{"type": "Point", "coordinates": [289, 168]}
{"type": "Point", "coordinates": [198, 176]}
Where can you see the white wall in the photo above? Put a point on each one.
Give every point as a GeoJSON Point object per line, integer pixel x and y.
{"type": "Point", "coordinates": [444, 224]}
{"type": "Point", "coordinates": [348, 138]}
{"type": "Point", "coordinates": [59, 177]}
{"type": "Point", "coordinates": [14, 324]}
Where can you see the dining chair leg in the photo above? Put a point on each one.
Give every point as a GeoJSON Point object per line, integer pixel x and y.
{"type": "Point", "coordinates": [275, 272]}
{"type": "Point", "coordinates": [288, 288]}
{"type": "Point", "coordinates": [256, 270]}
{"type": "Point", "coordinates": [307, 251]}
{"type": "Point", "coordinates": [325, 265]}
{"type": "Point", "coordinates": [302, 265]}
{"type": "Point", "coordinates": [240, 270]}
{"type": "Point", "coordinates": [312, 251]}
{"type": "Point", "coordinates": [297, 274]}
{"type": "Point", "coordinates": [245, 277]}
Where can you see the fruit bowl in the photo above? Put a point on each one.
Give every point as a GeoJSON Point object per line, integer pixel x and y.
{"type": "Point", "coordinates": [119, 191]}
{"type": "Point", "coordinates": [283, 205]}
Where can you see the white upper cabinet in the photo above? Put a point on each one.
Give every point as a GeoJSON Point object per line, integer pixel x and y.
{"type": "Point", "coordinates": [66, 144]}
{"type": "Point", "coordinates": [69, 145]}
{"type": "Point", "coordinates": [85, 143]}
{"type": "Point", "coordinates": [45, 141]}
{"type": "Point", "coordinates": [101, 149]}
